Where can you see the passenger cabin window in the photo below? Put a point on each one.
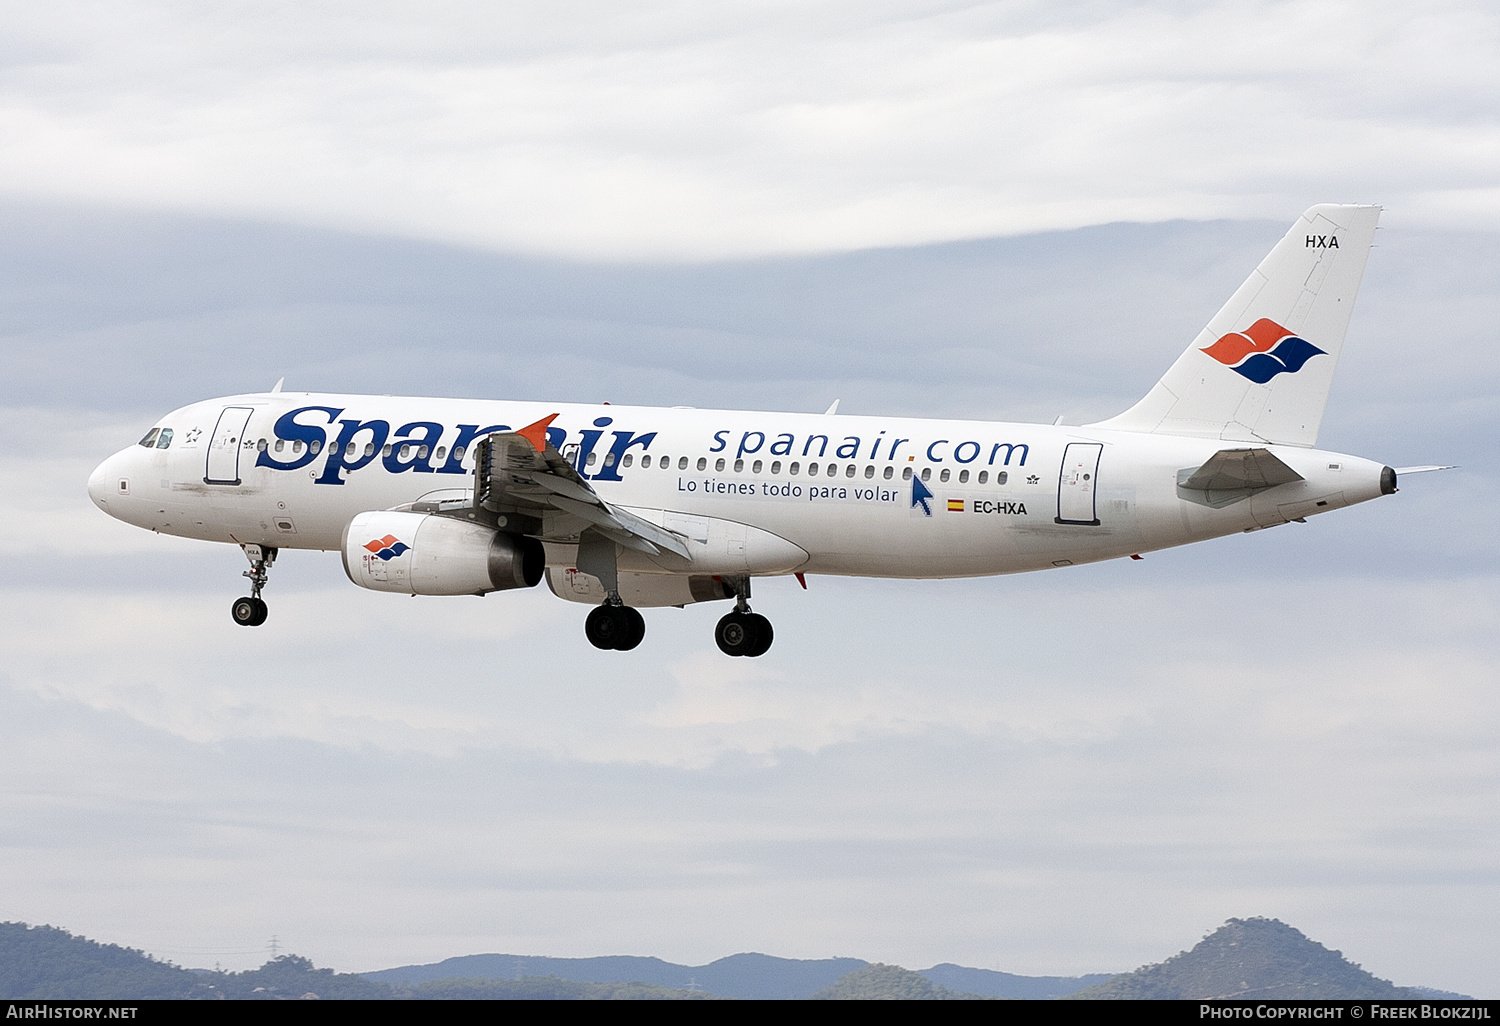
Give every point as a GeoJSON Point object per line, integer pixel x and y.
{"type": "Point", "coordinates": [442, 451]}
{"type": "Point", "coordinates": [906, 473]}
{"type": "Point", "coordinates": [739, 466]}
{"type": "Point", "coordinates": [869, 472]}
{"type": "Point", "coordinates": [775, 466]}
{"type": "Point", "coordinates": [1001, 477]}
{"type": "Point", "coordinates": [261, 445]}
{"type": "Point", "coordinates": [963, 477]}
{"type": "Point", "coordinates": [702, 463]}
{"type": "Point", "coordinates": [385, 450]}
{"type": "Point", "coordinates": [645, 462]}
{"type": "Point", "coordinates": [280, 444]}
{"type": "Point", "coordinates": [164, 439]}
{"type": "Point", "coordinates": [812, 470]}
{"type": "Point", "coordinates": [593, 458]}
{"type": "Point", "coordinates": [849, 470]}
{"type": "Point", "coordinates": [926, 473]}
{"type": "Point", "coordinates": [984, 475]}
{"type": "Point", "coordinates": [719, 465]}
{"type": "Point", "coordinates": [942, 477]}
{"type": "Point", "coordinates": [629, 459]}
{"type": "Point", "coordinates": [149, 440]}
{"type": "Point", "coordinates": [889, 473]}
{"type": "Point", "coordinates": [794, 468]}
{"type": "Point", "coordinates": [609, 459]}
{"type": "Point", "coordinates": [459, 452]}
{"type": "Point", "coordinates": [755, 467]}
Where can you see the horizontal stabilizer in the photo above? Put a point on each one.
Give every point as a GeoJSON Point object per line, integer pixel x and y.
{"type": "Point", "coordinates": [1230, 475]}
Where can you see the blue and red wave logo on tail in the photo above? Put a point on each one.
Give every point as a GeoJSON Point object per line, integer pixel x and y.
{"type": "Point", "coordinates": [1262, 351]}
{"type": "Point", "coordinates": [387, 548]}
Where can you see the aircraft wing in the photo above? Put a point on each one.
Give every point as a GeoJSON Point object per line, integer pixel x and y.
{"type": "Point", "coordinates": [521, 471]}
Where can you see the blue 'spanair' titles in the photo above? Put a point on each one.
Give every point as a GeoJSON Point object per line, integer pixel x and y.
{"type": "Point", "coordinates": [417, 447]}
{"type": "Point", "coordinates": [785, 444]}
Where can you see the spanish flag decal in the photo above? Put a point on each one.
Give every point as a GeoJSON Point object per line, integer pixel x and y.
{"type": "Point", "coordinates": [955, 505]}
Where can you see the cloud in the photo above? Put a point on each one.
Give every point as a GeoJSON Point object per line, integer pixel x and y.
{"type": "Point", "coordinates": [665, 130]}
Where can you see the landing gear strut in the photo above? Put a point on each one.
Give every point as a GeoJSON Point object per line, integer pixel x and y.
{"type": "Point", "coordinates": [250, 611]}
{"type": "Point", "coordinates": [741, 632]}
{"type": "Point", "coordinates": [614, 625]}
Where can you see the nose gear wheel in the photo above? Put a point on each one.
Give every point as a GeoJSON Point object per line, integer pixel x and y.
{"type": "Point", "coordinates": [250, 611]}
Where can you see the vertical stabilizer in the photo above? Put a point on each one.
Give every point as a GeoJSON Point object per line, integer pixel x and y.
{"type": "Point", "coordinates": [1261, 370]}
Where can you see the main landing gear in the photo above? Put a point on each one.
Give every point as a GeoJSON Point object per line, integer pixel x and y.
{"type": "Point", "coordinates": [250, 611]}
{"type": "Point", "coordinates": [614, 625]}
{"type": "Point", "coordinates": [741, 632]}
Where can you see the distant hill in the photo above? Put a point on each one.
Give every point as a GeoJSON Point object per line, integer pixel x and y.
{"type": "Point", "coordinates": [40, 962]}
{"type": "Point", "coordinates": [544, 988]}
{"type": "Point", "coordinates": [1250, 959]}
{"type": "Point", "coordinates": [877, 982]}
{"type": "Point", "coordinates": [747, 975]}
{"type": "Point", "coordinates": [989, 983]}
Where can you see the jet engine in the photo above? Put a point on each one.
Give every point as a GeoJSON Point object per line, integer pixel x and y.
{"type": "Point", "coordinates": [426, 554]}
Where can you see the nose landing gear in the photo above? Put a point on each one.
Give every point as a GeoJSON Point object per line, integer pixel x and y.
{"type": "Point", "coordinates": [741, 632]}
{"type": "Point", "coordinates": [250, 611]}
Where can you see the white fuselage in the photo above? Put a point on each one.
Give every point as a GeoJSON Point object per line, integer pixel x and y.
{"type": "Point", "coordinates": [291, 470]}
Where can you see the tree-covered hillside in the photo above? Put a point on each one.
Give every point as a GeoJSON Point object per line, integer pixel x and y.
{"type": "Point", "coordinates": [40, 962]}
{"type": "Point", "coordinates": [45, 962]}
{"type": "Point", "coordinates": [1249, 958]}
{"type": "Point", "coordinates": [877, 982]}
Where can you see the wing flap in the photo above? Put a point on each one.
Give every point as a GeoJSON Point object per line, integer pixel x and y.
{"type": "Point", "coordinates": [522, 470]}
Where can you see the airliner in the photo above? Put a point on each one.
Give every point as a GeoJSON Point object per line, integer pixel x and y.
{"type": "Point", "coordinates": [629, 507]}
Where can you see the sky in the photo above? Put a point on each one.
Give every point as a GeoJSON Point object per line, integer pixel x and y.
{"type": "Point", "coordinates": [1008, 211]}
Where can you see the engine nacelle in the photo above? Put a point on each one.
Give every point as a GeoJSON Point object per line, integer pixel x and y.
{"type": "Point", "coordinates": [642, 590]}
{"type": "Point", "coordinates": [425, 554]}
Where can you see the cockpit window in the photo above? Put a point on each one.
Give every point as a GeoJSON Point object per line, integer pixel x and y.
{"type": "Point", "coordinates": [164, 439]}
{"type": "Point", "coordinates": [149, 440]}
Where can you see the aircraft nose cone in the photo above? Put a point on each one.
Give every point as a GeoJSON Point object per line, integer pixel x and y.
{"type": "Point", "coordinates": [104, 481]}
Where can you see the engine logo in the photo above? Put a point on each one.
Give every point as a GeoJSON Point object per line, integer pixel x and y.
{"type": "Point", "coordinates": [387, 548]}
